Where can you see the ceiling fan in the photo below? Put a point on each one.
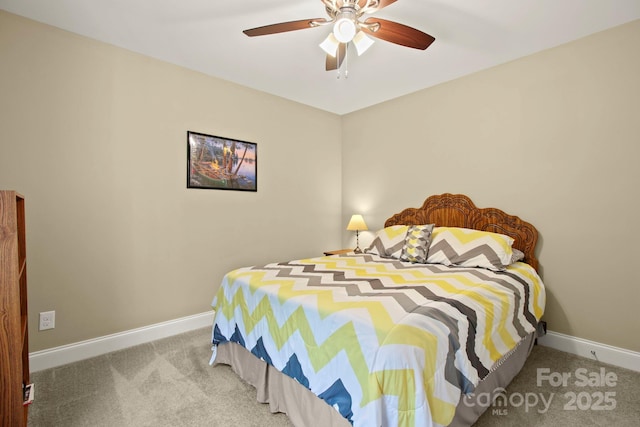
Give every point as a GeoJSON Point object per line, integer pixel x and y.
{"type": "Point", "coordinates": [349, 27]}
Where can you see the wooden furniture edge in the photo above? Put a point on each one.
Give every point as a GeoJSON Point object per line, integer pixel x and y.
{"type": "Point", "coordinates": [337, 252]}
{"type": "Point", "coordinates": [14, 337]}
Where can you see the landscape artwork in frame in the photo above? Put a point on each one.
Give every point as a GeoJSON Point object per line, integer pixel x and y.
{"type": "Point", "coordinates": [221, 163]}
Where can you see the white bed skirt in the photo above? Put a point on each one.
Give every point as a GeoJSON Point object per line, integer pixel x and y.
{"type": "Point", "coordinates": [305, 409]}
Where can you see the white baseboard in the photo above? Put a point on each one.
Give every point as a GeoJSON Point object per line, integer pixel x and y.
{"type": "Point", "coordinates": [69, 353]}
{"type": "Point", "coordinates": [592, 350]}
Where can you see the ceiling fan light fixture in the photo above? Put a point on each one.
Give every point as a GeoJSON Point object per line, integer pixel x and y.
{"type": "Point", "coordinates": [362, 42]}
{"type": "Point", "coordinates": [344, 30]}
{"type": "Point", "coordinates": [345, 27]}
{"type": "Point", "coordinates": [330, 45]}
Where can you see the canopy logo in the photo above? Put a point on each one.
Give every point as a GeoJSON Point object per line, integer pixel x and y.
{"type": "Point", "coordinates": [499, 400]}
{"type": "Point", "coordinates": [600, 400]}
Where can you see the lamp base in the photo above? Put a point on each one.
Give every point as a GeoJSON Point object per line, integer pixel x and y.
{"type": "Point", "coordinates": [357, 249]}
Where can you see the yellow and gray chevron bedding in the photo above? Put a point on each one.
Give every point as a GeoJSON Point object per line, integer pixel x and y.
{"type": "Point", "coordinates": [385, 342]}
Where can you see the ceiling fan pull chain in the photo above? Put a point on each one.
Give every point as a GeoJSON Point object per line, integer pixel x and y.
{"type": "Point", "coordinates": [346, 62]}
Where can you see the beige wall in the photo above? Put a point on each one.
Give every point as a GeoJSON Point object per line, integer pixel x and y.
{"type": "Point", "coordinates": [95, 138]}
{"type": "Point", "coordinates": [553, 138]}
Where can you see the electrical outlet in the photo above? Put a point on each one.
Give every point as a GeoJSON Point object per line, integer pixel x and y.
{"type": "Point", "coordinates": [47, 320]}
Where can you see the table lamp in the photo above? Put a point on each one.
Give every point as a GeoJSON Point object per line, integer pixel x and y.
{"type": "Point", "coordinates": [357, 224]}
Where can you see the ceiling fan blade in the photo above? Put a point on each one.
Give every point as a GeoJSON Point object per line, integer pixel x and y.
{"type": "Point", "coordinates": [385, 3]}
{"type": "Point", "coordinates": [382, 4]}
{"type": "Point", "coordinates": [283, 27]}
{"type": "Point", "coordinates": [334, 62]}
{"type": "Point", "coordinates": [399, 34]}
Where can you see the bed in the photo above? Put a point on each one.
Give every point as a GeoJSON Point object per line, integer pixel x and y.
{"type": "Point", "coordinates": [424, 328]}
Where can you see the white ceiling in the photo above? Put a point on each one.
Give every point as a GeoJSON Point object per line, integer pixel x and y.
{"type": "Point", "coordinates": [206, 35]}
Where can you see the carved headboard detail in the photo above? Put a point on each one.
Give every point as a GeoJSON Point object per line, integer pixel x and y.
{"type": "Point", "coordinates": [457, 210]}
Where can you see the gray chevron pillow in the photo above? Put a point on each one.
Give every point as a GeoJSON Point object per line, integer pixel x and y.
{"type": "Point", "coordinates": [517, 255]}
{"type": "Point", "coordinates": [388, 242]}
{"type": "Point", "coordinates": [416, 243]}
{"type": "Point", "coordinates": [470, 248]}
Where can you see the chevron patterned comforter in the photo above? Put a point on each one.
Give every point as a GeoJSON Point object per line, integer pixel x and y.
{"type": "Point", "coordinates": [386, 343]}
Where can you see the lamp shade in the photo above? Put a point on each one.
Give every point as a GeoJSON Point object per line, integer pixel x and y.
{"type": "Point", "coordinates": [362, 42]}
{"type": "Point", "coordinates": [357, 223]}
{"type": "Point", "coordinates": [330, 45]}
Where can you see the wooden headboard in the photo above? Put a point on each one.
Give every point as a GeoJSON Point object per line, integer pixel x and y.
{"type": "Point", "coordinates": [457, 210]}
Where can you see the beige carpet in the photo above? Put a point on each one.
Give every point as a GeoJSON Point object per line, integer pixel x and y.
{"type": "Point", "coordinates": [170, 383]}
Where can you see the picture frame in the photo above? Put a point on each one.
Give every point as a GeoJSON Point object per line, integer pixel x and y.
{"type": "Point", "coordinates": [219, 163]}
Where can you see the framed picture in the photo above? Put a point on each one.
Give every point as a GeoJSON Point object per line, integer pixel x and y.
{"type": "Point", "coordinates": [214, 162]}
